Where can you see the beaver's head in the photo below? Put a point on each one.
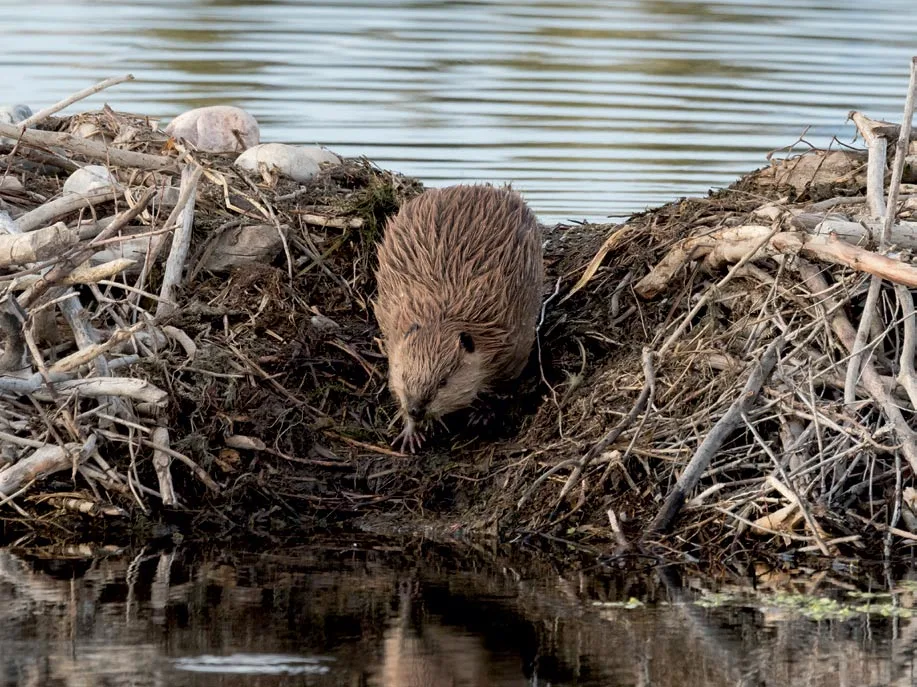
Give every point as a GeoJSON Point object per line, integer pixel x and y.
{"type": "Point", "coordinates": [435, 369]}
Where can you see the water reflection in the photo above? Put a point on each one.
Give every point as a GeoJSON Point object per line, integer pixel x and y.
{"type": "Point", "coordinates": [385, 616]}
{"type": "Point", "coordinates": [593, 108]}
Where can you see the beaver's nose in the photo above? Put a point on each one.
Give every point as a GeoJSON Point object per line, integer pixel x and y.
{"type": "Point", "coordinates": [416, 411]}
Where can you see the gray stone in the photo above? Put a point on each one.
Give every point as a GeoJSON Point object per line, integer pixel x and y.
{"type": "Point", "coordinates": [255, 243]}
{"type": "Point", "coordinates": [13, 114]}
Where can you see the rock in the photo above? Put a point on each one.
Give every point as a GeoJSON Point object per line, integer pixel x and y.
{"type": "Point", "coordinates": [10, 184]}
{"type": "Point", "coordinates": [255, 243]}
{"type": "Point", "coordinates": [323, 324]}
{"type": "Point", "coordinates": [89, 178]}
{"type": "Point", "coordinates": [299, 163]}
{"type": "Point", "coordinates": [13, 114]}
{"type": "Point", "coordinates": [212, 129]}
{"type": "Point", "coordinates": [166, 198]}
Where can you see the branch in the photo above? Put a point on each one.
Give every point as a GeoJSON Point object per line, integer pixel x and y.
{"type": "Point", "coordinates": [88, 149]}
{"type": "Point", "coordinates": [42, 115]}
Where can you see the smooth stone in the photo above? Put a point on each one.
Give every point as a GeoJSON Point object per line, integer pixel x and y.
{"type": "Point", "coordinates": [211, 129]}
{"type": "Point", "coordinates": [299, 163]}
{"type": "Point", "coordinates": [166, 198]}
{"type": "Point", "coordinates": [255, 243]}
{"type": "Point", "coordinates": [13, 114]}
{"type": "Point", "coordinates": [89, 178]}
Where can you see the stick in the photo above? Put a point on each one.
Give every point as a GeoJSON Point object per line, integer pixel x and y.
{"type": "Point", "coordinates": [702, 302]}
{"type": "Point", "coordinates": [94, 151]}
{"type": "Point", "coordinates": [907, 377]}
{"type": "Point", "coordinates": [50, 212]}
{"type": "Point", "coordinates": [880, 208]}
{"type": "Point", "coordinates": [872, 381]}
{"type": "Point", "coordinates": [90, 352]}
{"type": "Point", "coordinates": [877, 147]}
{"type": "Point", "coordinates": [41, 463]}
{"type": "Point", "coordinates": [36, 246]}
{"type": "Point", "coordinates": [643, 401]}
{"type": "Point", "coordinates": [712, 442]}
{"type": "Point", "coordinates": [181, 242]}
{"type": "Point", "coordinates": [42, 115]}
{"type": "Point", "coordinates": [130, 387]}
{"type": "Point", "coordinates": [185, 196]}
{"type": "Point", "coordinates": [900, 153]}
{"type": "Point", "coordinates": [162, 461]}
{"type": "Point", "coordinates": [739, 243]}
{"type": "Point", "coordinates": [66, 266]}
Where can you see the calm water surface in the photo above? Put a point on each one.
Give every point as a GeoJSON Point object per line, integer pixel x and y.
{"type": "Point", "coordinates": [592, 108]}
{"type": "Point", "coordinates": [386, 616]}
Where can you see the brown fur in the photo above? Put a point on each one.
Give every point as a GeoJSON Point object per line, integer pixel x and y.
{"type": "Point", "coordinates": [459, 268]}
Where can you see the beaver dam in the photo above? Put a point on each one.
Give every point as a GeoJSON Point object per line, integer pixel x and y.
{"type": "Point", "coordinates": [192, 348]}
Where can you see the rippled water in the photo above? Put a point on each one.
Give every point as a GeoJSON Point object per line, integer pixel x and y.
{"type": "Point", "coordinates": [386, 615]}
{"type": "Point", "coordinates": [591, 108]}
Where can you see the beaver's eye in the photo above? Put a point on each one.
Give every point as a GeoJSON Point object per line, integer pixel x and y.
{"type": "Point", "coordinates": [467, 342]}
{"type": "Point", "coordinates": [443, 382]}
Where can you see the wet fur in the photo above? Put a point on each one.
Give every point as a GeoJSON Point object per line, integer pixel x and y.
{"type": "Point", "coordinates": [459, 294]}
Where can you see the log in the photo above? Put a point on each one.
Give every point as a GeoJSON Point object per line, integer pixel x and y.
{"type": "Point", "coordinates": [731, 245]}
{"type": "Point", "coordinates": [89, 149]}
{"type": "Point", "coordinates": [37, 246]}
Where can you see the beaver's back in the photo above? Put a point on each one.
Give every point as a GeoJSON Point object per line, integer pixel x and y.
{"type": "Point", "coordinates": [469, 254]}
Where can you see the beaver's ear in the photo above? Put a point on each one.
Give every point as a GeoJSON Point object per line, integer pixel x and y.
{"type": "Point", "coordinates": [467, 342]}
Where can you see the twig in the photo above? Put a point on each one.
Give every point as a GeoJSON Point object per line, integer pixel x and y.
{"type": "Point", "coordinates": [42, 115]}
{"type": "Point", "coordinates": [872, 381]}
{"type": "Point", "coordinates": [712, 442]}
{"type": "Point", "coordinates": [181, 242]}
{"type": "Point", "coordinates": [787, 485]}
{"type": "Point", "coordinates": [643, 401]}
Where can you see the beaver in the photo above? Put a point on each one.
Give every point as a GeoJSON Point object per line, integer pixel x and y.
{"type": "Point", "coordinates": [459, 294]}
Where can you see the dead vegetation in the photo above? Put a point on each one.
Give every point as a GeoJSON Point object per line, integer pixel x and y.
{"type": "Point", "coordinates": [721, 374]}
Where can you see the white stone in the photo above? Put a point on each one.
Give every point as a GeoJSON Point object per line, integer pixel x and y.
{"type": "Point", "coordinates": [89, 178]}
{"type": "Point", "coordinates": [212, 129]}
{"type": "Point", "coordinates": [299, 163]}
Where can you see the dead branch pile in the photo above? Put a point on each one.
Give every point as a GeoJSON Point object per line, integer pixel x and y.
{"type": "Point", "coordinates": [730, 372]}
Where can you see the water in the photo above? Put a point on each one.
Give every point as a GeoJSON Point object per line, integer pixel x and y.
{"type": "Point", "coordinates": [592, 108]}
{"type": "Point", "coordinates": [393, 616]}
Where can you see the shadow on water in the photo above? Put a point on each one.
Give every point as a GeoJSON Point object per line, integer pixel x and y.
{"type": "Point", "coordinates": [416, 615]}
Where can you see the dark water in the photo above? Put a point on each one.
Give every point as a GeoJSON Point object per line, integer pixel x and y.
{"type": "Point", "coordinates": [592, 108]}
{"type": "Point", "coordinates": [409, 616]}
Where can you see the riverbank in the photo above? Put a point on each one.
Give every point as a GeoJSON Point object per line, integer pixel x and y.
{"type": "Point", "coordinates": [191, 350]}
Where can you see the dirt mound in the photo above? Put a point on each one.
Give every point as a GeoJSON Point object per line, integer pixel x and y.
{"type": "Point", "coordinates": [711, 332]}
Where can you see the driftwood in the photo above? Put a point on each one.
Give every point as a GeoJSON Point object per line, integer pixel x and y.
{"type": "Point", "coordinates": [730, 245]}
{"type": "Point", "coordinates": [88, 149]}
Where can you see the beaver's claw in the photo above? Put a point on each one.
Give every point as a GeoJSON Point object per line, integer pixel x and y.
{"type": "Point", "coordinates": [410, 437]}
